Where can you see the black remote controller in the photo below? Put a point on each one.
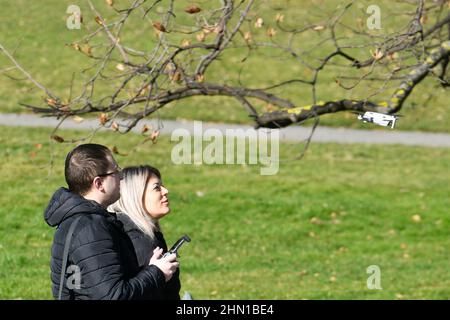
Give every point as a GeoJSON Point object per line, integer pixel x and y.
{"type": "Point", "coordinates": [177, 245]}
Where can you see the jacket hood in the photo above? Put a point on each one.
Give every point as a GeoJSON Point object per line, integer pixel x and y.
{"type": "Point", "coordinates": [65, 204]}
{"type": "Point", "coordinates": [128, 224]}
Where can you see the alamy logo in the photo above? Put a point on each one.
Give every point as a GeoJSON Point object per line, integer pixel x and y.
{"type": "Point", "coordinates": [228, 148]}
{"type": "Point", "coordinates": [74, 20]}
{"type": "Point", "coordinates": [374, 21]}
{"type": "Point", "coordinates": [374, 280]}
{"type": "Point", "coordinates": [74, 280]}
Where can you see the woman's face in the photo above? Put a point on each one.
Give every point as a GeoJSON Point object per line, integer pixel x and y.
{"type": "Point", "coordinates": [156, 201]}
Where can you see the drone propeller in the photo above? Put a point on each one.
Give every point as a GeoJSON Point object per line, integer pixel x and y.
{"type": "Point", "coordinates": [397, 115]}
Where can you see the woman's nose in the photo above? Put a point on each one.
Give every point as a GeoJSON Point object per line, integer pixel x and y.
{"type": "Point", "coordinates": [165, 190]}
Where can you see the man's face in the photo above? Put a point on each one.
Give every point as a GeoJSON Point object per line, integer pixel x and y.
{"type": "Point", "coordinates": [111, 183]}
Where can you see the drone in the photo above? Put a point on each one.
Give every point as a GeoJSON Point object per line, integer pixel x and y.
{"type": "Point", "coordinates": [381, 119]}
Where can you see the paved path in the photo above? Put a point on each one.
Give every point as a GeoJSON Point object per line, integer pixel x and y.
{"type": "Point", "coordinates": [293, 133]}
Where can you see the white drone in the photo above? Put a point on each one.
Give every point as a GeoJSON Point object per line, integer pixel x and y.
{"type": "Point", "coordinates": [381, 119]}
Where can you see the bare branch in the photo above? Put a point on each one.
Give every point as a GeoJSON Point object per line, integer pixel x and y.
{"type": "Point", "coordinates": [114, 40]}
{"type": "Point", "coordinates": [29, 77]}
{"type": "Point", "coordinates": [141, 80]}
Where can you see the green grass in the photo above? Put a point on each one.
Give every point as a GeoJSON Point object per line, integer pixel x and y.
{"type": "Point", "coordinates": [38, 30]}
{"type": "Point", "coordinates": [253, 236]}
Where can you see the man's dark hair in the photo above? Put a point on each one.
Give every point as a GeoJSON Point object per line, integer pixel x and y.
{"type": "Point", "coordinates": [84, 163]}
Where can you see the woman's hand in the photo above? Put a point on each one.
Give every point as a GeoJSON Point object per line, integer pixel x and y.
{"type": "Point", "coordinates": [168, 265]}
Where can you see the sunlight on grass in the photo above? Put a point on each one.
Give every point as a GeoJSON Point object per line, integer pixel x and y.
{"type": "Point", "coordinates": [308, 232]}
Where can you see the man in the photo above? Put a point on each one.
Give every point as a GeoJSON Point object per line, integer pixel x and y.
{"type": "Point", "coordinates": [89, 244]}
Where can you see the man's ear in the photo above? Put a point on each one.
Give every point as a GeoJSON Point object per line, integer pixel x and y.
{"type": "Point", "coordinates": [97, 184]}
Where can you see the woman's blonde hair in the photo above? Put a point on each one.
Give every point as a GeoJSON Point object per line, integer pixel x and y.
{"type": "Point", "coordinates": [131, 202]}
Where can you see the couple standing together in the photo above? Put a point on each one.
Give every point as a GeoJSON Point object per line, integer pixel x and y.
{"type": "Point", "coordinates": [108, 231]}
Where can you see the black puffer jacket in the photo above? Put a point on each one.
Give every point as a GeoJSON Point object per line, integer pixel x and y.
{"type": "Point", "coordinates": [102, 251]}
{"type": "Point", "coordinates": [144, 246]}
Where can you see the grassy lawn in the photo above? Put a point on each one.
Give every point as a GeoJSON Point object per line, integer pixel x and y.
{"type": "Point", "coordinates": [37, 29]}
{"type": "Point", "coordinates": [309, 232]}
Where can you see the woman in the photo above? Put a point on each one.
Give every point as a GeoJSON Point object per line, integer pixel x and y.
{"type": "Point", "coordinates": [143, 201]}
